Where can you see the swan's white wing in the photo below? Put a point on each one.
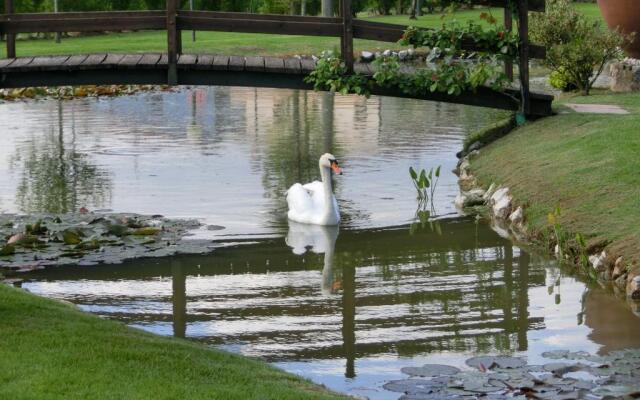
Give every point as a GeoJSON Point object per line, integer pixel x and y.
{"type": "Point", "coordinates": [299, 201]}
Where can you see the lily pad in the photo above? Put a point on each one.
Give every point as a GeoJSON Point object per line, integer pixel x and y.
{"type": "Point", "coordinates": [414, 386]}
{"type": "Point", "coordinates": [492, 362]}
{"type": "Point", "coordinates": [70, 236]}
{"type": "Point", "coordinates": [7, 250]}
{"type": "Point", "coordinates": [148, 231]}
{"type": "Point", "coordinates": [430, 370]}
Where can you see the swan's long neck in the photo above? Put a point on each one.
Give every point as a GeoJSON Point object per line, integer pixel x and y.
{"type": "Point", "coordinates": [325, 173]}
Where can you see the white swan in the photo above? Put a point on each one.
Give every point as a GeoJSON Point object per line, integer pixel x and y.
{"type": "Point", "coordinates": [314, 203]}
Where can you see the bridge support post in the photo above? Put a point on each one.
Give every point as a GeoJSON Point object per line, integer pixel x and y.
{"type": "Point", "coordinates": [508, 24]}
{"type": "Point", "coordinates": [172, 42]}
{"type": "Point", "coordinates": [10, 37]}
{"type": "Point", "coordinates": [523, 32]}
{"type": "Point", "coordinates": [346, 40]}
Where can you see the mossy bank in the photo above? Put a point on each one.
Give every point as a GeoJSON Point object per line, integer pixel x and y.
{"type": "Point", "coordinates": [51, 350]}
{"type": "Point", "coordinates": [572, 186]}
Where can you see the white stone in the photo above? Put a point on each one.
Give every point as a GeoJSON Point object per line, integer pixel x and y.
{"type": "Point", "coordinates": [464, 166]}
{"type": "Point", "coordinates": [557, 251]}
{"type": "Point", "coordinates": [411, 51]}
{"type": "Point", "coordinates": [489, 192]}
{"type": "Point", "coordinates": [403, 55]}
{"type": "Point", "coordinates": [367, 56]}
{"type": "Point", "coordinates": [598, 261]}
{"type": "Point", "coordinates": [386, 53]}
{"type": "Point", "coordinates": [498, 195]}
{"type": "Point", "coordinates": [502, 207]}
{"type": "Point", "coordinates": [517, 216]}
{"type": "Point", "coordinates": [618, 269]}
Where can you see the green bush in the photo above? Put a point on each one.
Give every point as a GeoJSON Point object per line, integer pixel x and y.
{"type": "Point", "coordinates": [576, 46]}
{"type": "Point", "coordinates": [560, 79]}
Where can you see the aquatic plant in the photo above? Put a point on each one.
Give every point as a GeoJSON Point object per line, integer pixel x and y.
{"type": "Point", "coordinates": [425, 184]}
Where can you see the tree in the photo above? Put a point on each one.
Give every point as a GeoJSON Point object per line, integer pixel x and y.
{"type": "Point", "coordinates": [576, 47]}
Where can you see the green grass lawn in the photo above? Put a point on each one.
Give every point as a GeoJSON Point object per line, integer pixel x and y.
{"type": "Point", "coordinates": [50, 350]}
{"type": "Point", "coordinates": [239, 43]}
{"type": "Point", "coordinates": [586, 164]}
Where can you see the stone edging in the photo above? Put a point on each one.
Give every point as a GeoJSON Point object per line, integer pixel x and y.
{"type": "Point", "coordinates": [509, 221]}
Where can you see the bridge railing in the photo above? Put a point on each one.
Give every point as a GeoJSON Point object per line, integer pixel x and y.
{"type": "Point", "coordinates": [174, 20]}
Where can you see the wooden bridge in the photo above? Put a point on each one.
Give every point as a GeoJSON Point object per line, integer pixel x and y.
{"type": "Point", "coordinates": [175, 68]}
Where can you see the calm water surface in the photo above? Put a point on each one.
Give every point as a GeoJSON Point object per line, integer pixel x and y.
{"type": "Point", "coordinates": [345, 307]}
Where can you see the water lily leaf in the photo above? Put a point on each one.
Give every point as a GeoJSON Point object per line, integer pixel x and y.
{"type": "Point", "coordinates": [70, 236]}
{"type": "Point", "coordinates": [7, 250]}
{"type": "Point", "coordinates": [118, 230]}
{"type": "Point", "coordinates": [430, 370]}
{"type": "Point", "coordinates": [414, 385]}
{"type": "Point", "coordinates": [492, 362]}
{"type": "Point", "coordinates": [148, 231]}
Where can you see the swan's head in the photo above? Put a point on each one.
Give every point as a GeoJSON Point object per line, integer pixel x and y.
{"type": "Point", "coordinates": [329, 161]}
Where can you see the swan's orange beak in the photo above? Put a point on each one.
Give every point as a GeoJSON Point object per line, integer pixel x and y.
{"type": "Point", "coordinates": [334, 167]}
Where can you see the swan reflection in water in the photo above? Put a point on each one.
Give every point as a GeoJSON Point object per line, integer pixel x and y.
{"type": "Point", "coordinates": [319, 239]}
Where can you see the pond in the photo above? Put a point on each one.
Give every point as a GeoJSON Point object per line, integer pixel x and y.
{"type": "Point", "coordinates": [345, 307]}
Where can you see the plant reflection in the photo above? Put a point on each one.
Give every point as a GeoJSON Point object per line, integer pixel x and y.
{"type": "Point", "coordinates": [56, 178]}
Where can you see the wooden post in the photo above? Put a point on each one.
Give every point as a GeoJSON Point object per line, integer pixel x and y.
{"type": "Point", "coordinates": [523, 31]}
{"type": "Point", "coordinates": [346, 40]}
{"type": "Point", "coordinates": [10, 37]}
{"type": "Point", "coordinates": [508, 24]}
{"type": "Point", "coordinates": [193, 33]}
{"type": "Point", "coordinates": [172, 42]}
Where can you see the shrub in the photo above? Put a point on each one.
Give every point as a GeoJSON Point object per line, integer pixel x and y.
{"type": "Point", "coordinates": [560, 79]}
{"type": "Point", "coordinates": [575, 46]}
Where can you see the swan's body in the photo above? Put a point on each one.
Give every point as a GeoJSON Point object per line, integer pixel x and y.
{"type": "Point", "coordinates": [314, 203]}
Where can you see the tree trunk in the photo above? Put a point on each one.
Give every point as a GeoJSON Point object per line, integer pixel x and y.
{"type": "Point", "coordinates": [303, 7]}
{"type": "Point", "coordinates": [327, 8]}
{"type": "Point", "coordinates": [414, 9]}
{"type": "Point", "coordinates": [399, 7]}
{"type": "Point", "coordinates": [419, 10]}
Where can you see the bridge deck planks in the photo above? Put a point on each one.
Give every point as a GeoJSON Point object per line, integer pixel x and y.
{"type": "Point", "coordinates": [149, 60]}
{"type": "Point", "coordinates": [254, 64]}
{"type": "Point", "coordinates": [236, 63]}
{"type": "Point", "coordinates": [220, 63]}
{"type": "Point", "coordinates": [74, 61]}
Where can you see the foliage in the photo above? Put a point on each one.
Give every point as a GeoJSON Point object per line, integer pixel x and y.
{"type": "Point", "coordinates": [560, 79]}
{"type": "Point", "coordinates": [331, 74]}
{"type": "Point", "coordinates": [451, 37]}
{"type": "Point", "coordinates": [425, 184]}
{"type": "Point", "coordinates": [576, 47]}
{"type": "Point", "coordinates": [555, 233]}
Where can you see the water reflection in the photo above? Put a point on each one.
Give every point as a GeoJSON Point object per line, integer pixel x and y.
{"type": "Point", "coordinates": [412, 293]}
{"type": "Point", "coordinates": [55, 177]}
{"type": "Point", "coordinates": [226, 155]}
{"type": "Point", "coordinates": [317, 239]}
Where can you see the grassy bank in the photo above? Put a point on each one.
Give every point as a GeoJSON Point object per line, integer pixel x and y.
{"type": "Point", "coordinates": [238, 43]}
{"type": "Point", "coordinates": [585, 164]}
{"type": "Point", "coordinates": [51, 350]}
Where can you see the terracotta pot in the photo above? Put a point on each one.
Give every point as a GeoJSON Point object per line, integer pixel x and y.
{"type": "Point", "coordinates": [624, 14]}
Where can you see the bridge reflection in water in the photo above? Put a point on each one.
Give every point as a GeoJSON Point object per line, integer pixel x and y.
{"type": "Point", "coordinates": [381, 292]}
